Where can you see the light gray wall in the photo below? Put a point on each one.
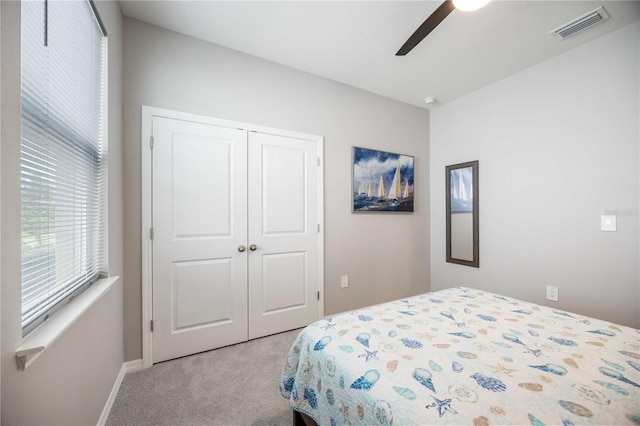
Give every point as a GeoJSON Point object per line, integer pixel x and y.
{"type": "Point", "coordinates": [70, 382]}
{"type": "Point", "coordinates": [558, 146]}
{"type": "Point", "coordinates": [386, 256]}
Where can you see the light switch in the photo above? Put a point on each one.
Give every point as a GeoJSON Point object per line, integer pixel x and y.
{"type": "Point", "coordinates": [608, 222]}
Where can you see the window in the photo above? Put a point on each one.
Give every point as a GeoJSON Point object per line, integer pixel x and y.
{"type": "Point", "coordinates": [63, 154]}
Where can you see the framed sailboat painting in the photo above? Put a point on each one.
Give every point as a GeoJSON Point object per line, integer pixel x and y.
{"type": "Point", "coordinates": [381, 181]}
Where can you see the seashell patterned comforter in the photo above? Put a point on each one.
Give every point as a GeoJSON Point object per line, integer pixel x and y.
{"type": "Point", "coordinates": [462, 356]}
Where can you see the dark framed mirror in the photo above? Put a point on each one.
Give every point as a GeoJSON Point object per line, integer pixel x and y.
{"type": "Point", "coordinates": [462, 199]}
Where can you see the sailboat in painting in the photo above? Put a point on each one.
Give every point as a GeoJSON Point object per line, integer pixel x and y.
{"type": "Point", "coordinates": [395, 192]}
{"type": "Point", "coordinates": [381, 188]}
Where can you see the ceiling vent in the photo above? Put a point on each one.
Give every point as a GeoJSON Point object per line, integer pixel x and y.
{"type": "Point", "coordinates": [582, 23]}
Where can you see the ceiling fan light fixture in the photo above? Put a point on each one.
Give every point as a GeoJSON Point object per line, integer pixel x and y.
{"type": "Point", "coordinates": [469, 5]}
{"type": "Point", "coordinates": [438, 15]}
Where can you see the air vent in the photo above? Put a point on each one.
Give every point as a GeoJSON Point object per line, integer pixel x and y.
{"type": "Point", "coordinates": [582, 23]}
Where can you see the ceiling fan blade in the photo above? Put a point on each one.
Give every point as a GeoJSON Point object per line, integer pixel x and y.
{"type": "Point", "coordinates": [427, 26]}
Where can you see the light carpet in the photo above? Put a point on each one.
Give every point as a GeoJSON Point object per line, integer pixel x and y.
{"type": "Point", "coordinates": [235, 385]}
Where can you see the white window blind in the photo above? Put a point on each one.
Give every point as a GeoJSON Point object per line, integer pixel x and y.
{"type": "Point", "coordinates": [63, 154]}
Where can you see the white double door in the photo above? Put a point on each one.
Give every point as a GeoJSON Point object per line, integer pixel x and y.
{"type": "Point", "coordinates": [235, 244]}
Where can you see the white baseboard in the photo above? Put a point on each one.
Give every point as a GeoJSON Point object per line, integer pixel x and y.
{"type": "Point", "coordinates": [127, 367]}
{"type": "Point", "coordinates": [133, 366]}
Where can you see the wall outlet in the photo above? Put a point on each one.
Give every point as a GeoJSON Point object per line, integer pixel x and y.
{"type": "Point", "coordinates": [344, 281]}
{"type": "Point", "coordinates": [552, 293]}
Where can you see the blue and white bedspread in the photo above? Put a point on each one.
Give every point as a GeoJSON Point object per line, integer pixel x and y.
{"type": "Point", "coordinates": [462, 356]}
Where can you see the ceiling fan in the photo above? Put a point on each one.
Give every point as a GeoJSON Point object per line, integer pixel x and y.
{"type": "Point", "coordinates": [436, 17]}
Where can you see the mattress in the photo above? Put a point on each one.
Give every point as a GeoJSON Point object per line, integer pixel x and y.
{"type": "Point", "coordinates": [463, 356]}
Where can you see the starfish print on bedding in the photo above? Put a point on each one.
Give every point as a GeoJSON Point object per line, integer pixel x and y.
{"type": "Point", "coordinates": [369, 355]}
{"type": "Point", "coordinates": [442, 406]}
{"type": "Point", "coordinates": [329, 325]}
{"type": "Point", "coordinates": [425, 336]}
{"type": "Point", "coordinates": [499, 368]}
{"type": "Point", "coordinates": [536, 352]}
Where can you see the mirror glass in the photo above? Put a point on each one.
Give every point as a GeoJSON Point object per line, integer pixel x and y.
{"type": "Point", "coordinates": [462, 214]}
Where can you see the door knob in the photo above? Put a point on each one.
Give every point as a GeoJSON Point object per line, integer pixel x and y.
{"type": "Point", "coordinates": [241, 248]}
{"type": "Point", "coordinates": [253, 247]}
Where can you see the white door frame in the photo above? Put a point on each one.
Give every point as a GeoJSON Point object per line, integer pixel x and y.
{"type": "Point", "coordinates": [148, 113]}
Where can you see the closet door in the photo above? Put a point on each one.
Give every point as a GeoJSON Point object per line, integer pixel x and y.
{"type": "Point", "coordinates": [199, 200]}
{"type": "Point", "coordinates": [283, 233]}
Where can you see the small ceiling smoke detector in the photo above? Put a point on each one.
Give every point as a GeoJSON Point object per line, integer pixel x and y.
{"type": "Point", "coordinates": [582, 23]}
{"type": "Point", "coordinates": [430, 100]}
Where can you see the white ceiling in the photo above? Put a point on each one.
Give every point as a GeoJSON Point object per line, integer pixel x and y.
{"type": "Point", "coordinates": [354, 42]}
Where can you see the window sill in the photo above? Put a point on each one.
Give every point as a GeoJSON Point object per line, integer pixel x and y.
{"type": "Point", "coordinates": [43, 337]}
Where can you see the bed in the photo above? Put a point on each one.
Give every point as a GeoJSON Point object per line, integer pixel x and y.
{"type": "Point", "coordinates": [463, 356]}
